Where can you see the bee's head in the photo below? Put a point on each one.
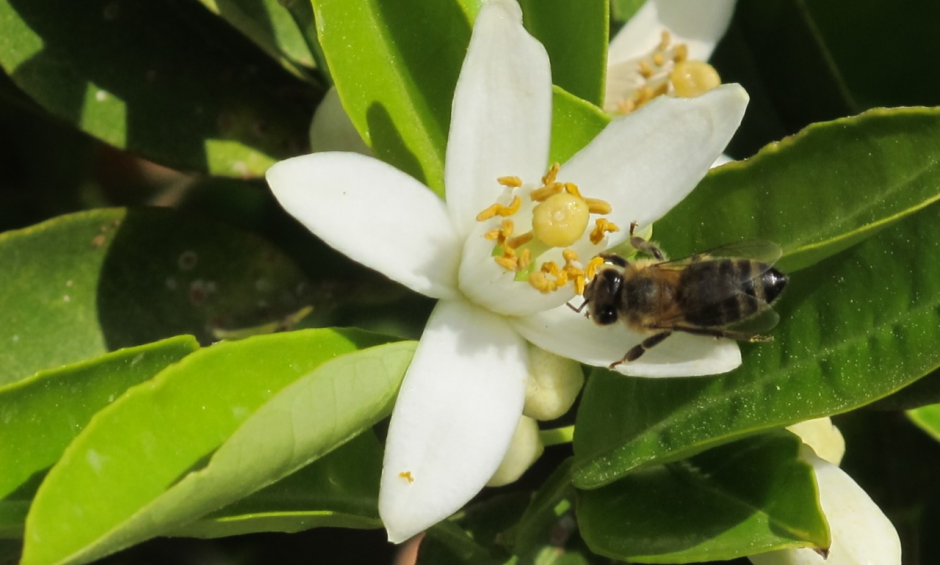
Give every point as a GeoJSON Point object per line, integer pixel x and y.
{"type": "Point", "coordinates": [601, 296]}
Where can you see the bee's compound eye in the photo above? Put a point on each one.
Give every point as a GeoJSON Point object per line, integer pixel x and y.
{"type": "Point", "coordinates": [606, 316]}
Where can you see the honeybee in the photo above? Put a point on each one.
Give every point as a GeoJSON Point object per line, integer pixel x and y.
{"type": "Point", "coordinates": [723, 292]}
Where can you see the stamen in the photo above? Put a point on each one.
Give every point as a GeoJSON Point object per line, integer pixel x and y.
{"type": "Point", "coordinates": [509, 263]}
{"type": "Point", "coordinates": [519, 240]}
{"type": "Point", "coordinates": [498, 209]}
{"type": "Point", "coordinates": [549, 177]}
{"type": "Point", "coordinates": [546, 192]}
{"type": "Point", "coordinates": [665, 40]}
{"type": "Point", "coordinates": [658, 59]}
{"type": "Point", "coordinates": [572, 189]}
{"type": "Point", "coordinates": [596, 206]}
{"type": "Point", "coordinates": [407, 476]}
{"type": "Point", "coordinates": [602, 227]}
{"type": "Point", "coordinates": [525, 259]}
{"type": "Point", "coordinates": [592, 267]}
{"type": "Point", "coordinates": [540, 282]}
{"type": "Point", "coordinates": [511, 182]}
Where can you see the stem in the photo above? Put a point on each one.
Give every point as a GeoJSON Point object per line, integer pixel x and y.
{"type": "Point", "coordinates": [557, 436]}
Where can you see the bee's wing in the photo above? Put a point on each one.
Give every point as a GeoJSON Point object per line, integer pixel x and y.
{"type": "Point", "coordinates": [760, 250]}
{"type": "Point", "coordinates": [763, 321]}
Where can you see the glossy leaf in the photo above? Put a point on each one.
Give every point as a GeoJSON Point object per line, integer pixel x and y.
{"type": "Point", "coordinates": [818, 192]}
{"type": "Point", "coordinates": [166, 80]}
{"type": "Point", "coordinates": [400, 99]}
{"type": "Point", "coordinates": [340, 490]}
{"type": "Point", "coordinates": [395, 66]}
{"type": "Point", "coordinates": [854, 328]}
{"type": "Point", "coordinates": [224, 422]}
{"type": "Point", "coordinates": [81, 285]}
{"type": "Point", "coordinates": [575, 36]}
{"type": "Point", "coordinates": [927, 418]}
{"type": "Point", "coordinates": [748, 497]}
{"type": "Point", "coordinates": [42, 414]}
{"type": "Point", "coordinates": [269, 25]}
{"type": "Point", "coordinates": [549, 519]}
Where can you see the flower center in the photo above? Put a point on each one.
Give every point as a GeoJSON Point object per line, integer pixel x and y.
{"type": "Point", "coordinates": [560, 219]}
{"type": "Point", "coordinates": [667, 70]}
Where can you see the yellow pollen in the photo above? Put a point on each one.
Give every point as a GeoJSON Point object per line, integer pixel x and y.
{"type": "Point", "coordinates": [524, 259]}
{"type": "Point", "coordinates": [665, 40]}
{"type": "Point", "coordinates": [507, 262]}
{"type": "Point", "coordinates": [519, 240]}
{"type": "Point", "coordinates": [693, 78]}
{"type": "Point", "coordinates": [597, 206]}
{"type": "Point", "coordinates": [545, 192]}
{"type": "Point", "coordinates": [511, 182]}
{"type": "Point", "coordinates": [572, 189]}
{"type": "Point", "coordinates": [560, 220]}
{"type": "Point", "coordinates": [407, 475]}
{"type": "Point", "coordinates": [500, 210]}
{"type": "Point", "coordinates": [592, 267]}
{"type": "Point", "coordinates": [681, 54]}
{"type": "Point", "coordinates": [501, 234]}
{"type": "Point", "coordinates": [658, 59]}
{"type": "Point", "coordinates": [549, 177]}
{"type": "Point", "coordinates": [549, 267]}
{"type": "Point", "coordinates": [540, 282]}
{"type": "Point", "coordinates": [645, 70]}
{"type": "Point", "coordinates": [602, 227]}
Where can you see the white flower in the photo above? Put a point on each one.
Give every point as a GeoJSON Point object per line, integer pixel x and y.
{"type": "Point", "coordinates": [662, 50]}
{"type": "Point", "coordinates": [861, 534]}
{"type": "Point", "coordinates": [462, 398]}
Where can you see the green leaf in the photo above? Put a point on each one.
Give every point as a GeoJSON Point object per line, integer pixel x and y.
{"type": "Point", "coordinates": [340, 490]}
{"type": "Point", "coordinates": [269, 25]}
{"type": "Point", "coordinates": [41, 415]}
{"type": "Point", "coordinates": [574, 124]}
{"type": "Point", "coordinates": [395, 66]}
{"type": "Point", "coordinates": [222, 423]}
{"type": "Point", "coordinates": [748, 497]}
{"type": "Point", "coordinates": [399, 98]}
{"type": "Point", "coordinates": [82, 285]}
{"type": "Point", "coordinates": [575, 36]}
{"type": "Point", "coordinates": [166, 80]}
{"type": "Point", "coordinates": [550, 512]}
{"type": "Point", "coordinates": [818, 192]}
{"type": "Point", "coordinates": [853, 329]}
{"type": "Point", "coordinates": [927, 418]}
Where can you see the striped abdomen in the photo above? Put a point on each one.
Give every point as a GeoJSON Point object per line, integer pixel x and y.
{"type": "Point", "coordinates": [724, 291]}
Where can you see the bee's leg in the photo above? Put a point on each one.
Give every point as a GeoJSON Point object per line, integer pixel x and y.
{"type": "Point", "coordinates": [639, 349]}
{"type": "Point", "coordinates": [579, 308]}
{"type": "Point", "coordinates": [644, 246]}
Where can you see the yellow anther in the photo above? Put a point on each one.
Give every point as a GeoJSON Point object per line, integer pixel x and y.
{"type": "Point", "coordinates": [579, 284]}
{"type": "Point", "coordinates": [560, 220]}
{"type": "Point", "coordinates": [626, 106]}
{"type": "Point", "coordinates": [549, 177]}
{"type": "Point", "coordinates": [572, 189]}
{"type": "Point", "coordinates": [569, 256]}
{"type": "Point", "coordinates": [596, 206]}
{"type": "Point", "coordinates": [644, 68]}
{"type": "Point", "coordinates": [540, 282]}
{"type": "Point", "coordinates": [561, 279]}
{"type": "Point", "coordinates": [519, 240]}
{"type": "Point", "coordinates": [546, 192]}
{"type": "Point", "coordinates": [524, 259]}
{"type": "Point", "coordinates": [508, 263]}
{"type": "Point", "coordinates": [549, 267]}
{"type": "Point", "coordinates": [500, 210]}
{"type": "Point", "coordinates": [693, 78]}
{"type": "Point", "coordinates": [501, 234]}
{"type": "Point", "coordinates": [592, 267]}
{"type": "Point", "coordinates": [492, 235]}
{"type": "Point", "coordinates": [511, 182]}
{"type": "Point", "coordinates": [601, 227]}
{"type": "Point", "coordinates": [664, 41]}
{"type": "Point", "coordinates": [681, 53]}
{"type": "Point", "coordinates": [658, 59]}
{"type": "Point", "coordinates": [407, 476]}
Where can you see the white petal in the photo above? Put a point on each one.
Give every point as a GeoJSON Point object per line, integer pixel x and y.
{"type": "Point", "coordinates": [645, 163]}
{"type": "Point", "coordinates": [332, 130]}
{"type": "Point", "coordinates": [823, 437]}
{"type": "Point", "coordinates": [569, 334]}
{"type": "Point", "coordinates": [501, 118]}
{"type": "Point", "coordinates": [455, 415]}
{"type": "Point", "coordinates": [861, 533]}
{"type": "Point", "coordinates": [697, 24]}
{"type": "Point", "coordinates": [524, 450]}
{"type": "Point", "coordinates": [375, 214]}
{"type": "Point", "coordinates": [553, 384]}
